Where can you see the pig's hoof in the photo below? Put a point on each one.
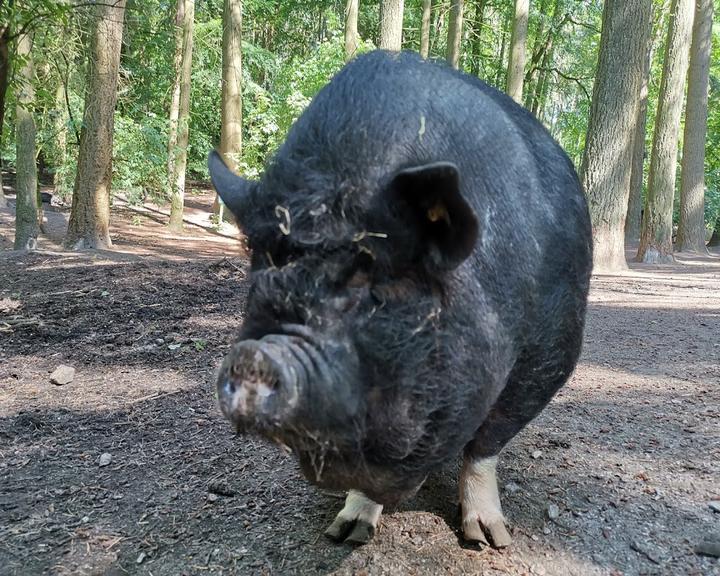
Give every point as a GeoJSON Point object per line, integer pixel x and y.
{"type": "Point", "coordinates": [482, 517]}
{"type": "Point", "coordinates": [357, 521]}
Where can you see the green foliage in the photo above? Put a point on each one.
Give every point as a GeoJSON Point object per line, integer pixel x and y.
{"type": "Point", "coordinates": [140, 157]}
{"type": "Point", "coordinates": [298, 81]}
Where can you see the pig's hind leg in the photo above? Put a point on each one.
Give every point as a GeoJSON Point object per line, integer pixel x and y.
{"type": "Point", "coordinates": [357, 521]}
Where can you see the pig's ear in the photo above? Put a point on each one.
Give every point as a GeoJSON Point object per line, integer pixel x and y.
{"type": "Point", "coordinates": [444, 224]}
{"type": "Point", "coordinates": [233, 189]}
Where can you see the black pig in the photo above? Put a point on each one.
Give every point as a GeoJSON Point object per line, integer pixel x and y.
{"type": "Point", "coordinates": [421, 254]}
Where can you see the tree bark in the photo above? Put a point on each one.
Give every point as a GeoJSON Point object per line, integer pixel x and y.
{"type": "Point", "coordinates": [89, 225]}
{"type": "Point", "coordinates": [477, 45]}
{"type": "Point", "coordinates": [715, 238]}
{"type": "Point", "coordinates": [177, 199]}
{"type": "Point", "coordinates": [438, 19]}
{"type": "Point", "coordinates": [634, 211]}
{"type": "Point", "coordinates": [175, 98]}
{"type": "Point", "coordinates": [391, 24]}
{"type": "Point", "coordinates": [231, 105]}
{"type": "Point", "coordinates": [60, 135]}
{"type": "Point", "coordinates": [656, 234]}
{"type": "Point", "coordinates": [501, 70]}
{"type": "Point", "coordinates": [425, 28]}
{"type": "Point", "coordinates": [516, 64]}
{"type": "Point", "coordinates": [455, 32]}
{"type": "Point", "coordinates": [351, 31]}
{"type": "Point", "coordinates": [536, 54]}
{"type": "Point", "coordinates": [4, 75]}
{"type": "Point", "coordinates": [691, 230]}
{"type": "Point", "coordinates": [607, 159]}
{"type": "Point", "coordinates": [26, 207]}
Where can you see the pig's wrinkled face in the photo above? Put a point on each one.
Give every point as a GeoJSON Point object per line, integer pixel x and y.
{"type": "Point", "coordinates": [344, 319]}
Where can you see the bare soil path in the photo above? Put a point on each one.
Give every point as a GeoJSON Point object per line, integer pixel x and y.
{"type": "Point", "coordinates": [616, 477]}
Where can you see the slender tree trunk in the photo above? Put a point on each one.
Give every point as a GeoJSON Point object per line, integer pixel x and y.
{"type": "Point", "coordinates": [60, 136]}
{"type": "Point", "coordinates": [89, 225]}
{"type": "Point", "coordinates": [656, 235]}
{"type": "Point", "coordinates": [634, 211]}
{"type": "Point", "coordinates": [26, 207]}
{"type": "Point", "coordinates": [351, 31]}
{"type": "Point", "coordinates": [425, 28]}
{"type": "Point", "coordinates": [516, 64]}
{"type": "Point", "coordinates": [541, 87]}
{"type": "Point", "coordinates": [536, 54]}
{"type": "Point", "coordinates": [438, 20]}
{"type": "Point", "coordinates": [231, 107]}
{"type": "Point", "coordinates": [177, 200]}
{"type": "Point", "coordinates": [715, 238]}
{"type": "Point", "coordinates": [691, 231]}
{"type": "Point", "coordinates": [455, 32]}
{"type": "Point", "coordinates": [537, 94]}
{"type": "Point", "coordinates": [501, 70]}
{"type": "Point", "coordinates": [477, 44]}
{"type": "Point", "coordinates": [4, 75]}
{"type": "Point", "coordinates": [607, 160]}
{"type": "Point", "coordinates": [391, 24]}
{"type": "Point", "coordinates": [175, 98]}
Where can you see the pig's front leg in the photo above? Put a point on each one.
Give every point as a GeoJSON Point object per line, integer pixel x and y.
{"type": "Point", "coordinates": [357, 521]}
{"type": "Point", "coordinates": [480, 502]}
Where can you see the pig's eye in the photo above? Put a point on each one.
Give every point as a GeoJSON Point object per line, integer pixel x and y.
{"type": "Point", "coordinates": [359, 279]}
{"type": "Point", "coordinates": [281, 256]}
{"type": "Point", "coordinates": [361, 272]}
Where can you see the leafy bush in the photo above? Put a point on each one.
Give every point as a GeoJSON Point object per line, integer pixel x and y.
{"type": "Point", "coordinates": [140, 157]}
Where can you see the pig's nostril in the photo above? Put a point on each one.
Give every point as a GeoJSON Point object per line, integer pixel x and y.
{"type": "Point", "coordinates": [228, 388]}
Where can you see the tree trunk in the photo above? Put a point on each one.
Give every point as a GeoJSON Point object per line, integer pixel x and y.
{"type": "Point", "coordinates": [60, 136]}
{"type": "Point", "coordinates": [539, 92]}
{"type": "Point", "coordinates": [656, 235]}
{"type": "Point", "coordinates": [4, 71]}
{"type": "Point", "coordinates": [691, 231]}
{"type": "Point", "coordinates": [425, 28]}
{"type": "Point", "coordinates": [477, 45]}
{"type": "Point", "coordinates": [351, 31]}
{"type": "Point", "coordinates": [89, 225]}
{"type": "Point", "coordinates": [516, 64]}
{"type": "Point", "coordinates": [633, 220]}
{"type": "Point", "coordinates": [391, 24]}
{"type": "Point", "coordinates": [455, 32]}
{"type": "Point", "coordinates": [607, 159]}
{"type": "Point", "coordinates": [715, 238]}
{"type": "Point", "coordinates": [536, 54]}
{"type": "Point", "coordinates": [177, 200]}
{"type": "Point", "coordinates": [438, 19]}
{"type": "Point", "coordinates": [501, 70]}
{"type": "Point", "coordinates": [231, 105]}
{"type": "Point", "coordinates": [175, 98]}
{"type": "Point", "coordinates": [26, 207]}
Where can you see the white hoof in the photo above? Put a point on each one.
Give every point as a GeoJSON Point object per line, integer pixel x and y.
{"type": "Point", "coordinates": [357, 521]}
{"type": "Point", "coordinates": [482, 516]}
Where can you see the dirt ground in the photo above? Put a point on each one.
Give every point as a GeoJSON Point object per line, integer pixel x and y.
{"type": "Point", "coordinates": [130, 468]}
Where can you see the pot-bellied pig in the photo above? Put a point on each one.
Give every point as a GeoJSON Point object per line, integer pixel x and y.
{"type": "Point", "coordinates": [421, 254]}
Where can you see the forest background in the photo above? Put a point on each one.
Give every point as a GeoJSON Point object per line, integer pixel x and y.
{"type": "Point", "coordinates": [290, 49]}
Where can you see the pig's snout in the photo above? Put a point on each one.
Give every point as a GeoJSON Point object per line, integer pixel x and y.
{"type": "Point", "coordinates": [257, 384]}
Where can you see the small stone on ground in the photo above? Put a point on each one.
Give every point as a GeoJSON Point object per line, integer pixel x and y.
{"type": "Point", "coordinates": [709, 547]}
{"type": "Point", "coordinates": [62, 375]}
